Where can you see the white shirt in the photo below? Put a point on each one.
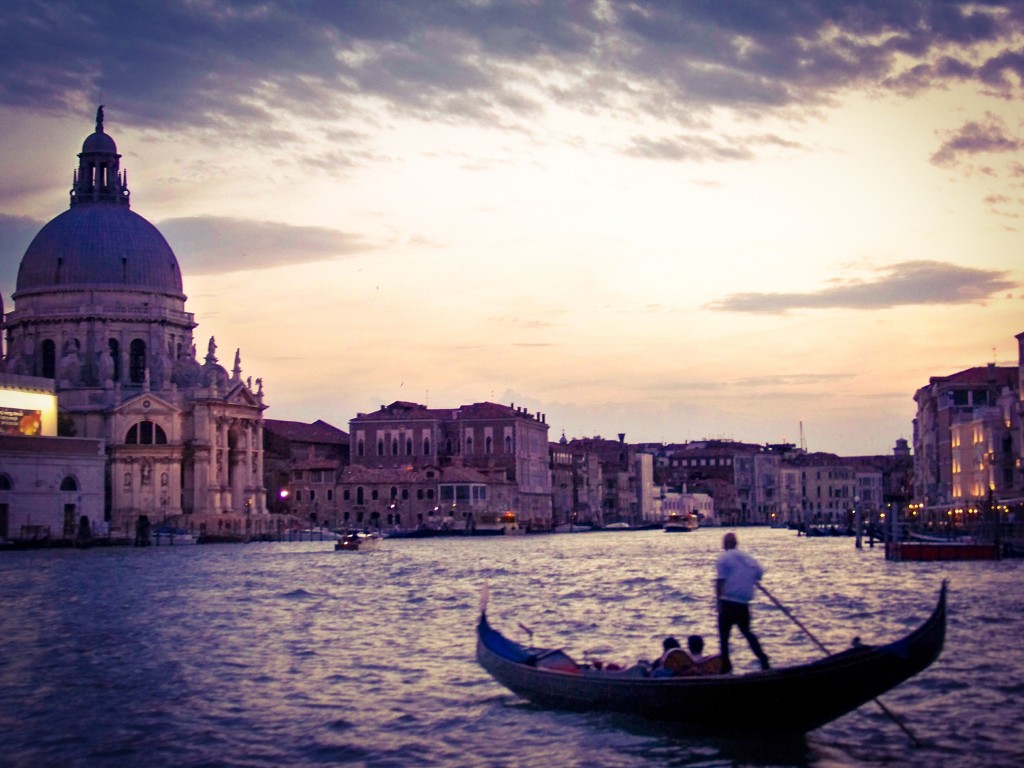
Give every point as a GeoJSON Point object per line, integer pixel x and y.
{"type": "Point", "coordinates": [739, 573]}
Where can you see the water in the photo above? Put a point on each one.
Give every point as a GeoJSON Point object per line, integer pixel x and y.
{"type": "Point", "coordinates": [291, 654]}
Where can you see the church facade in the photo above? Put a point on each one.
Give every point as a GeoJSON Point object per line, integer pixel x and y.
{"type": "Point", "coordinates": [99, 308]}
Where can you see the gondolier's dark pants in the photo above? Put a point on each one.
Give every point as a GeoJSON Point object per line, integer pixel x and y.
{"type": "Point", "coordinates": [732, 614]}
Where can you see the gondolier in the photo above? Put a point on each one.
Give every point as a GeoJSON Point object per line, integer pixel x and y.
{"type": "Point", "coordinates": [738, 573]}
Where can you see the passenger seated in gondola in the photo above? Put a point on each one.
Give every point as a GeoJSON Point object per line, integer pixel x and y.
{"type": "Point", "coordinates": [675, 661]}
{"type": "Point", "coordinates": [702, 665]}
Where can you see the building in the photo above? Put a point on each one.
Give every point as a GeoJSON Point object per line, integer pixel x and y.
{"type": "Point", "coordinates": [968, 438]}
{"type": "Point", "coordinates": [99, 309]}
{"type": "Point", "coordinates": [51, 487]}
{"type": "Point", "coordinates": [301, 464]}
{"type": "Point", "coordinates": [411, 465]}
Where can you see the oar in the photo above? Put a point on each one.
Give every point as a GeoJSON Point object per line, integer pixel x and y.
{"type": "Point", "coordinates": [817, 642]}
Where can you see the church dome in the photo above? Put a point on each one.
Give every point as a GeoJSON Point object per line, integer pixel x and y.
{"type": "Point", "coordinates": [99, 142]}
{"type": "Point", "coordinates": [99, 242]}
{"type": "Point", "coordinates": [99, 245]}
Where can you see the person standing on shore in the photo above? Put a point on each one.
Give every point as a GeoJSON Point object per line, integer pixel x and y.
{"type": "Point", "coordinates": [737, 575]}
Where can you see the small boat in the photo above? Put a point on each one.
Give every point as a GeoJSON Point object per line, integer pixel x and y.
{"type": "Point", "coordinates": [165, 536]}
{"type": "Point", "coordinates": [621, 525]}
{"type": "Point", "coordinates": [676, 523]}
{"type": "Point", "coordinates": [358, 542]}
{"type": "Point", "coordinates": [496, 524]}
{"type": "Point", "coordinates": [790, 700]}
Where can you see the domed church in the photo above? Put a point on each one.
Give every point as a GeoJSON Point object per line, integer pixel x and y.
{"type": "Point", "coordinates": [99, 308]}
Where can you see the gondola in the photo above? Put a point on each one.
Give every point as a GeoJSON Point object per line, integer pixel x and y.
{"type": "Point", "coordinates": [790, 700]}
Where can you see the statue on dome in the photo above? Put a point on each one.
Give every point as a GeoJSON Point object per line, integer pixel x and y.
{"type": "Point", "coordinates": [211, 351]}
{"type": "Point", "coordinates": [99, 119]}
{"type": "Point", "coordinates": [237, 372]}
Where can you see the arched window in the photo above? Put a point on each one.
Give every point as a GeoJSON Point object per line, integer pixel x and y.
{"type": "Point", "coordinates": [488, 445]}
{"type": "Point", "coordinates": [69, 484]}
{"type": "Point", "coordinates": [380, 447]}
{"type": "Point", "coordinates": [426, 446]}
{"type": "Point", "coordinates": [508, 444]}
{"type": "Point", "coordinates": [146, 433]}
{"type": "Point", "coordinates": [408, 447]}
{"type": "Point", "coordinates": [394, 493]}
{"type": "Point", "coordinates": [394, 446]}
{"type": "Point", "coordinates": [5, 483]}
{"type": "Point", "coordinates": [469, 445]}
{"type": "Point", "coordinates": [360, 447]}
{"type": "Point", "coordinates": [49, 367]}
{"type": "Point", "coordinates": [360, 499]}
{"type": "Point", "coordinates": [137, 361]}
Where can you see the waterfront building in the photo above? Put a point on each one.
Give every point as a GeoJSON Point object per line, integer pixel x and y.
{"type": "Point", "coordinates": [411, 465]}
{"type": "Point", "coordinates": [668, 501]}
{"type": "Point", "coordinates": [99, 309]}
{"type": "Point", "coordinates": [626, 476]}
{"type": "Point", "coordinates": [302, 464]}
{"type": "Point", "coordinates": [577, 486]}
{"type": "Point", "coordinates": [50, 487]}
{"type": "Point", "coordinates": [967, 438]}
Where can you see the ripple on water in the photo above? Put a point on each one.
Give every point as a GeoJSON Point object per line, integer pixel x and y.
{"type": "Point", "coordinates": [287, 654]}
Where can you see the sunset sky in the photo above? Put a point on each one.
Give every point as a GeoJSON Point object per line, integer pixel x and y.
{"type": "Point", "coordinates": [673, 220]}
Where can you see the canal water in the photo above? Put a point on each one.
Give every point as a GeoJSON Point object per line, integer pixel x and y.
{"type": "Point", "coordinates": [292, 654]}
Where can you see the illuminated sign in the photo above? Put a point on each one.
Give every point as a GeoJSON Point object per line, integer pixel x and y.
{"type": "Point", "coordinates": [20, 421]}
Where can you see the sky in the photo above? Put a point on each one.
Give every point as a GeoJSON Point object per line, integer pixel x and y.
{"type": "Point", "coordinates": [747, 220]}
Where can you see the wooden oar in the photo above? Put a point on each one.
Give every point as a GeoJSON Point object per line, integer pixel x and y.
{"type": "Point", "coordinates": [892, 715]}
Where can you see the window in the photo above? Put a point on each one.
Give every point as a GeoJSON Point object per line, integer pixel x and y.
{"type": "Point", "coordinates": [408, 447]}
{"type": "Point", "coordinates": [380, 447]}
{"type": "Point", "coordinates": [394, 446]}
{"type": "Point", "coordinates": [426, 446]}
{"type": "Point", "coordinates": [5, 483]}
{"type": "Point", "coordinates": [69, 484]}
{"type": "Point", "coordinates": [359, 447]}
{"type": "Point", "coordinates": [146, 433]}
{"type": "Point", "coordinates": [137, 361]}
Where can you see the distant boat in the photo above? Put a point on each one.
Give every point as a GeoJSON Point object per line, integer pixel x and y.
{"type": "Point", "coordinates": [495, 524]}
{"type": "Point", "coordinates": [165, 536]}
{"type": "Point", "coordinates": [676, 523]}
{"type": "Point", "coordinates": [358, 542]}
{"type": "Point", "coordinates": [572, 528]}
{"type": "Point", "coordinates": [622, 525]}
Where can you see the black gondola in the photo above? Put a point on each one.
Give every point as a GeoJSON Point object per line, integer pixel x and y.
{"type": "Point", "coordinates": [790, 700]}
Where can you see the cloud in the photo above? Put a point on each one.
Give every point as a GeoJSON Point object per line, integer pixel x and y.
{"type": "Point", "coordinates": [231, 68]}
{"type": "Point", "coordinates": [210, 245]}
{"type": "Point", "coordinates": [974, 138]}
{"type": "Point", "coordinates": [907, 283]}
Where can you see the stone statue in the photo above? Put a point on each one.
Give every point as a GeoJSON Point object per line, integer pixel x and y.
{"type": "Point", "coordinates": [70, 365]}
{"type": "Point", "coordinates": [99, 119]}
{"type": "Point", "coordinates": [211, 351]}
{"type": "Point", "coordinates": [106, 366]}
